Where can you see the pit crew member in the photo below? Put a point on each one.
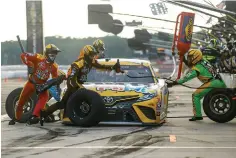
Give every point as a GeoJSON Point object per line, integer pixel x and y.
{"type": "Point", "coordinates": [40, 69]}
{"type": "Point", "coordinates": [206, 73]}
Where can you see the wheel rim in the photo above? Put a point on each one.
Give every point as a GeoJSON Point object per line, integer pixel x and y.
{"type": "Point", "coordinates": [28, 106]}
{"type": "Point", "coordinates": [82, 111]}
{"type": "Point", "coordinates": [220, 104]}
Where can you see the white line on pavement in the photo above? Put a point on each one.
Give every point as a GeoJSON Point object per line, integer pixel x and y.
{"type": "Point", "coordinates": [4, 117]}
{"type": "Point", "coordinates": [122, 147]}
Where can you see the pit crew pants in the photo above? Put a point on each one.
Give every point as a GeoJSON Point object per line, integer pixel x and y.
{"type": "Point", "coordinates": [201, 92]}
{"type": "Point", "coordinates": [26, 93]}
{"type": "Point", "coordinates": [62, 104]}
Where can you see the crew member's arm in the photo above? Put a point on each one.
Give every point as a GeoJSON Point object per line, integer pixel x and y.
{"type": "Point", "coordinates": [100, 66]}
{"type": "Point", "coordinates": [192, 74]}
{"type": "Point", "coordinates": [75, 71]}
{"type": "Point", "coordinates": [28, 58]}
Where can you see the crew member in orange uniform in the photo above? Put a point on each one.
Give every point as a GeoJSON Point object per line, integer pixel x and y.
{"type": "Point", "coordinates": [40, 69]}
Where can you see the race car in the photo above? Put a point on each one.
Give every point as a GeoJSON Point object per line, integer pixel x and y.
{"type": "Point", "coordinates": [136, 96]}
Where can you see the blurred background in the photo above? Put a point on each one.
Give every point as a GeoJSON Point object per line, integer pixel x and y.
{"type": "Point", "coordinates": [129, 28]}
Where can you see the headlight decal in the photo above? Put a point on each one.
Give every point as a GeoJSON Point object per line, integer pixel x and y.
{"type": "Point", "coordinates": [138, 89]}
{"type": "Point", "coordinates": [147, 96]}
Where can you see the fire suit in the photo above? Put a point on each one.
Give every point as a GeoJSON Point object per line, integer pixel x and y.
{"type": "Point", "coordinates": [205, 72]}
{"type": "Point", "coordinates": [41, 71]}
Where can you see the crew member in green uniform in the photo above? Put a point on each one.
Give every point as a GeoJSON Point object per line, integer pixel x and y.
{"type": "Point", "coordinates": [206, 73]}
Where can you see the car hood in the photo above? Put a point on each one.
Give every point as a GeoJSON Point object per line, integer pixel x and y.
{"type": "Point", "coordinates": [123, 89]}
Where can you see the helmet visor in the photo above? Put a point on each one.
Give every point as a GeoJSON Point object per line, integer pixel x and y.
{"type": "Point", "coordinates": [92, 55]}
{"type": "Point", "coordinates": [101, 50]}
{"type": "Point", "coordinates": [190, 59]}
{"type": "Point", "coordinates": [52, 57]}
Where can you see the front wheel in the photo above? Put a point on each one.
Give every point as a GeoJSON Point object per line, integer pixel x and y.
{"type": "Point", "coordinates": [12, 101]}
{"type": "Point", "coordinates": [85, 108]}
{"type": "Point", "coordinates": [218, 105]}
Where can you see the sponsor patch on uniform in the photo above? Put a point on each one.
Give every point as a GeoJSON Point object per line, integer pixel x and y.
{"type": "Point", "coordinates": [42, 65]}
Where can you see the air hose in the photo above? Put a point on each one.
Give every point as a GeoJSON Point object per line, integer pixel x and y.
{"type": "Point", "coordinates": [172, 81]}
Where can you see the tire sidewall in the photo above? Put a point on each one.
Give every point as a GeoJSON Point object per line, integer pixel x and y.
{"type": "Point", "coordinates": [97, 107]}
{"type": "Point", "coordinates": [10, 105]}
{"type": "Point", "coordinates": [224, 117]}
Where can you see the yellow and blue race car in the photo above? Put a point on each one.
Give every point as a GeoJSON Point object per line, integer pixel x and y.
{"type": "Point", "coordinates": [136, 96]}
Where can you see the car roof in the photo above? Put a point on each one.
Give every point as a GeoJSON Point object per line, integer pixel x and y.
{"type": "Point", "coordinates": [124, 60]}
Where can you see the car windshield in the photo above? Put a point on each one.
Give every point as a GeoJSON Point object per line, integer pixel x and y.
{"type": "Point", "coordinates": [136, 73]}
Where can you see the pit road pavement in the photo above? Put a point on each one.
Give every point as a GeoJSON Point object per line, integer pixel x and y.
{"type": "Point", "coordinates": [177, 138]}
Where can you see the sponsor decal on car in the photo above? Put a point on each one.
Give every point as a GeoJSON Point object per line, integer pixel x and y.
{"type": "Point", "coordinates": [138, 89]}
{"type": "Point", "coordinates": [113, 88]}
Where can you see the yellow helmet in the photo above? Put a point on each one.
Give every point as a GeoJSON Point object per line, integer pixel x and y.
{"type": "Point", "coordinates": [88, 52]}
{"type": "Point", "coordinates": [50, 52]}
{"type": "Point", "coordinates": [99, 46]}
{"type": "Point", "coordinates": [194, 56]}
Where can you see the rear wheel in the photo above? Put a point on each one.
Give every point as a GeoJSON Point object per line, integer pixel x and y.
{"type": "Point", "coordinates": [218, 105]}
{"type": "Point", "coordinates": [12, 101]}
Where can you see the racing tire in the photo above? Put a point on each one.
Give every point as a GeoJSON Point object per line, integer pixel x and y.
{"type": "Point", "coordinates": [11, 102]}
{"type": "Point", "coordinates": [85, 108]}
{"type": "Point", "coordinates": [215, 101]}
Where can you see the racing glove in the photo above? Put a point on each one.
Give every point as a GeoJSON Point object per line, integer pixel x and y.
{"type": "Point", "coordinates": [172, 83]}
{"type": "Point", "coordinates": [41, 87]}
{"type": "Point", "coordinates": [117, 67]}
{"type": "Point", "coordinates": [60, 79]}
{"type": "Point", "coordinates": [55, 81]}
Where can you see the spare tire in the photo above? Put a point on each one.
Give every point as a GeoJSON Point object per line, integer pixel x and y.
{"type": "Point", "coordinates": [12, 100]}
{"type": "Point", "coordinates": [218, 105]}
{"type": "Point", "coordinates": [85, 108]}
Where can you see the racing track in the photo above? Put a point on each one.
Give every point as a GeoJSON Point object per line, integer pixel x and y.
{"type": "Point", "coordinates": [177, 138]}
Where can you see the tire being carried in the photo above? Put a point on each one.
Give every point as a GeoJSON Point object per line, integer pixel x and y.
{"type": "Point", "coordinates": [219, 106]}
{"type": "Point", "coordinates": [12, 100]}
{"type": "Point", "coordinates": [85, 108]}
